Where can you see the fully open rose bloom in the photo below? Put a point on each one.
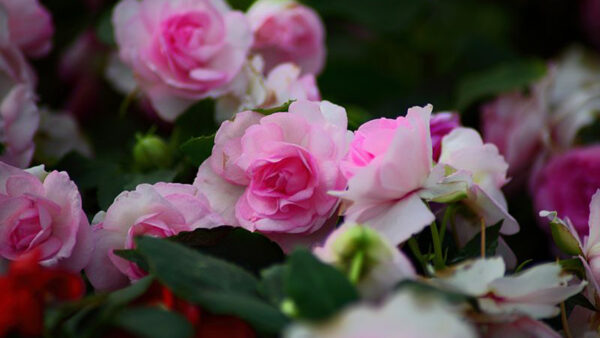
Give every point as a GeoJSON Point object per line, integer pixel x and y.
{"type": "Point", "coordinates": [566, 184]}
{"type": "Point", "coordinates": [19, 117]}
{"type": "Point", "coordinates": [29, 26]}
{"type": "Point", "coordinates": [181, 51]}
{"type": "Point", "coordinates": [402, 315]}
{"type": "Point", "coordinates": [272, 173]}
{"type": "Point", "coordinates": [42, 211]}
{"type": "Point", "coordinates": [286, 31]}
{"type": "Point", "coordinates": [159, 210]}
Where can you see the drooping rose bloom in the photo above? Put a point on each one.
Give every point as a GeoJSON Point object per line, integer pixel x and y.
{"type": "Point", "coordinates": [29, 26]}
{"type": "Point", "coordinates": [272, 173]}
{"type": "Point", "coordinates": [286, 31]}
{"type": "Point", "coordinates": [159, 210]}
{"type": "Point", "coordinates": [42, 211]}
{"type": "Point", "coordinates": [566, 184]}
{"type": "Point", "coordinates": [384, 264]}
{"type": "Point", "coordinates": [181, 51]}
{"type": "Point", "coordinates": [282, 84]}
{"type": "Point", "coordinates": [388, 165]}
{"type": "Point", "coordinates": [27, 288]}
{"type": "Point", "coordinates": [441, 124]}
{"type": "Point", "coordinates": [19, 117]}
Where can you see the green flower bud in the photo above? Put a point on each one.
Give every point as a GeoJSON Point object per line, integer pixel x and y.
{"type": "Point", "coordinates": [150, 151]}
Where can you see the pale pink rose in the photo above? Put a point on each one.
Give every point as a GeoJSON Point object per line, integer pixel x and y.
{"type": "Point", "coordinates": [286, 31]}
{"type": "Point", "coordinates": [515, 123]}
{"type": "Point", "coordinates": [388, 164]}
{"type": "Point", "coordinates": [159, 210]}
{"type": "Point", "coordinates": [30, 26]}
{"type": "Point", "coordinates": [181, 51]}
{"type": "Point", "coordinates": [272, 173]}
{"type": "Point", "coordinates": [535, 292]}
{"type": "Point", "coordinates": [19, 116]}
{"type": "Point", "coordinates": [283, 83]}
{"type": "Point", "coordinates": [42, 211]}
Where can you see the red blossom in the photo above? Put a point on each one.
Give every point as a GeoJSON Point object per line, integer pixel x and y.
{"type": "Point", "coordinates": [27, 288]}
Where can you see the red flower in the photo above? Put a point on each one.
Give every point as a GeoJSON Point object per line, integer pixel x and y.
{"type": "Point", "coordinates": [206, 325]}
{"type": "Point", "coordinates": [27, 288]}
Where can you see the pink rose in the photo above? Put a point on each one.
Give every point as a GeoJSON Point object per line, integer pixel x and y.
{"type": "Point", "coordinates": [284, 83]}
{"type": "Point", "coordinates": [272, 173]}
{"type": "Point", "coordinates": [515, 124]}
{"type": "Point", "coordinates": [181, 51]}
{"type": "Point", "coordinates": [159, 210]}
{"type": "Point", "coordinates": [441, 124]}
{"type": "Point", "coordinates": [566, 184]}
{"type": "Point", "coordinates": [374, 137]}
{"type": "Point", "coordinates": [388, 165]}
{"type": "Point", "coordinates": [19, 116]}
{"type": "Point", "coordinates": [42, 211]}
{"type": "Point", "coordinates": [30, 26]}
{"type": "Point", "coordinates": [286, 31]}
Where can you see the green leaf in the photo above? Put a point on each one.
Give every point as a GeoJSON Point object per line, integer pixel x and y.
{"type": "Point", "coordinates": [216, 285]}
{"type": "Point", "coordinates": [198, 149]}
{"type": "Point", "coordinates": [153, 322]}
{"type": "Point", "coordinates": [473, 247]}
{"type": "Point", "coordinates": [280, 109]}
{"type": "Point", "coordinates": [185, 270]}
{"type": "Point", "coordinates": [249, 250]}
{"type": "Point", "coordinates": [272, 284]}
{"type": "Point", "coordinates": [564, 240]}
{"type": "Point", "coordinates": [261, 315]}
{"type": "Point", "coordinates": [503, 78]}
{"type": "Point", "coordinates": [573, 266]}
{"type": "Point", "coordinates": [318, 290]}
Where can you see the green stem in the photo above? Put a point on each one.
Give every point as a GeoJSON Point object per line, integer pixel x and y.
{"type": "Point", "coordinates": [127, 101]}
{"type": "Point", "coordinates": [448, 215]}
{"type": "Point", "coordinates": [438, 255]}
{"type": "Point", "coordinates": [414, 248]}
{"type": "Point", "coordinates": [356, 267]}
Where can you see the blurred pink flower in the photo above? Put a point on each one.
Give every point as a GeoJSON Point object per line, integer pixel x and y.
{"type": "Point", "coordinates": [42, 211]}
{"type": "Point", "coordinates": [566, 184]}
{"type": "Point", "coordinates": [29, 26]}
{"type": "Point", "coordinates": [272, 173]}
{"type": "Point", "coordinates": [286, 31]}
{"type": "Point", "coordinates": [441, 124]}
{"type": "Point", "coordinates": [19, 116]}
{"type": "Point", "coordinates": [159, 210]}
{"type": "Point", "coordinates": [181, 51]}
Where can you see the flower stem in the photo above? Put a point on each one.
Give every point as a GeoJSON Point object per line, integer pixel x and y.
{"type": "Point", "coordinates": [482, 238]}
{"type": "Point", "coordinates": [414, 248]}
{"type": "Point", "coordinates": [438, 255]}
{"type": "Point", "coordinates": [356, 267]}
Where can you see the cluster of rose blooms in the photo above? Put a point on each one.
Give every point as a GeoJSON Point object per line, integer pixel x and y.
{"type": "Point", "coordinates": [290, 175]}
